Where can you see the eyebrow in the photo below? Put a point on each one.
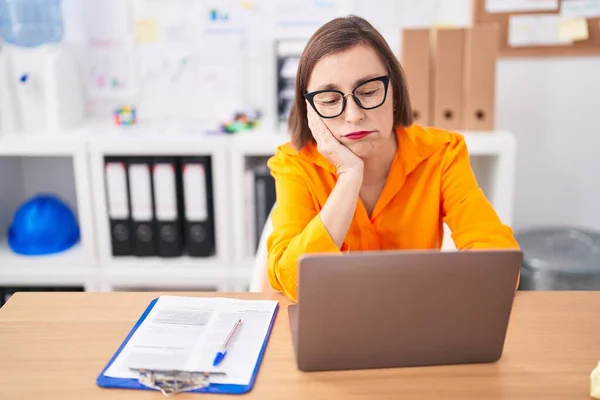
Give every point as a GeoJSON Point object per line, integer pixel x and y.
{"type": "Point", "coordinates": [331, 86]}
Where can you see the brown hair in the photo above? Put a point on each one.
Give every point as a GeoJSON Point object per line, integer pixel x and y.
{"type": "Point", "coordinates": [337, 35]}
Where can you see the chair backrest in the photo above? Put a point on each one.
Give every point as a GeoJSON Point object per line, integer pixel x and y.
{"type": "Point", "coordinates": [259, 281]}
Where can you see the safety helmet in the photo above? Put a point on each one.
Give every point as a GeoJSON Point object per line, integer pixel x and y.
{"type": "Point", "coordinates": [42, 225]}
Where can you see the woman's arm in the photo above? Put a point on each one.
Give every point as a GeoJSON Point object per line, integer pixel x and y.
{"type": "Point", "coordinates": [467, 212]}
{"type": "Point", "coordinates": [338, 210]}
{"type": "Point", "coordinates": [298, 227]}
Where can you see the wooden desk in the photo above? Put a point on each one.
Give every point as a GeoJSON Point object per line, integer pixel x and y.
{"type": "Point", "coordinates": [54, 345]}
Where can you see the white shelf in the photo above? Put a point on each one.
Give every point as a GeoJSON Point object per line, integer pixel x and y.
{"type": "Point", "coordinates": [152, 139]}
{"type": "Point", "coordinates": [41, 144]}
{"type": "Point", "coordinates": [180, 272]}
{"type": "Point", "coordinates": [70, 267]}
{"type": "Point", "coordinates": [160, 139]}
{"type": "Point", "coordinates": [73, 257]}
{"type": "Point", "coordinates": [257, 143]}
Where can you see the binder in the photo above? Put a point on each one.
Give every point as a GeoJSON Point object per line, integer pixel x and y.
{"type": "Point", "coordinates": [167, 206]}
{"type": "Point", "coordinates": [142, 206]}
{"type": "Point", "coordinates": [173, 382]}
{"type": "Point", "coordinates": [117, 198]}
{"type": "Point", "coordinates": [199, 234]}
{"type": "Point", "coordinates": [416, 63]}
{"type": "Point", "coordinates": [447, 46]}
{"type": "Point", "coordinates": [264, 195]}
{"type": "Point", "coordinates": [481, 51]}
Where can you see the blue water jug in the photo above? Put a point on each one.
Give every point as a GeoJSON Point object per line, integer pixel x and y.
{"type": "Point", "coordinates": [43, 225]}
{"type": "Point", "coordinates": [31, 23]}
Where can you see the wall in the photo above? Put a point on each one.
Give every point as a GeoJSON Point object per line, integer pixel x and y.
{"type": "Point", "coordinates": [552, 106]}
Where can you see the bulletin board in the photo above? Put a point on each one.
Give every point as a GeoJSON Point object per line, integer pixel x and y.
{"type": "Point", "coordinates": [590, 46]}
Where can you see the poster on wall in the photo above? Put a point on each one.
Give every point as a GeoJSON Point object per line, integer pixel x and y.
{"type": "Point", "coordinates": [108, 63]}
{"type": "Point", "coordinates": [109, 70]}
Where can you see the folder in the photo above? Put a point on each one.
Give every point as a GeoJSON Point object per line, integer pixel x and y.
{"type": "Point", "coordinates": [447, 74]}
{"type": "Point", "coordinates": [167, 207]}
{"type": "Point", "coordinates": [171, 381]}
{"type": "Point", "coordinates": [142, 206]}
{"type": "Point", "coordinates": [264, 196]}
{"type": "Point", "coordinates": [481, 51]}
{"type": "Point", "coordinates": [117, 198]}
{"type": "Point", "coordinates": [198, 206]}
{"type": "Point", "coordinates": [416, 63]}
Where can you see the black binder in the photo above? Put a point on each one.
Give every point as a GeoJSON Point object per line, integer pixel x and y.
{"type": "Point", "coordinates": [264, 198]}
{"type": "Point", "coordinates": [118, 205]}
{"type": "Point", "coordinates": [199, 221]}
{"type": "Point", "coordinates": [141, 196]}
{"type": "Point", "coordinates": [166, 181]}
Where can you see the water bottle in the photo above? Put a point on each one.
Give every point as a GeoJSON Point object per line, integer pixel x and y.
{"type": "Point", "coordinates": [31, 23]}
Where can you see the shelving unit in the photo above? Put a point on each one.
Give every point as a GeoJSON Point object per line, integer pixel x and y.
{"type": "Point", "coordinates": [244, 148]}
{"type": "Point", "coordinates": [72, 165]}
{"type": "Point", "coordinates": [152, 140]}
{"type": "Point", "coordinates": [35, 162]}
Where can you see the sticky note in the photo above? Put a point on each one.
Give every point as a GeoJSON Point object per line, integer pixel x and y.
{"type": "Point", "coordinates": [573, 29]}
{"type": "Point", "coordinates": [146, 30]}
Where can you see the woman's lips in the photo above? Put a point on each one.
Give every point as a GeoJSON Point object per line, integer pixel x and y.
{"type": "Point", "coordinates": [357, 135]}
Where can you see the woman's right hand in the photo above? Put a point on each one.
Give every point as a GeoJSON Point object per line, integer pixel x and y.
{"type": "Point", "coordinates": [342, 158]}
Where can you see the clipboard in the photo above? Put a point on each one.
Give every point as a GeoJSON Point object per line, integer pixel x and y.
{"type": "Point", "coordinates": [173, 382]}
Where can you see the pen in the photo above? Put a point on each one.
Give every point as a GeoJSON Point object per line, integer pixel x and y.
{"type": "Point", "coordinates": [221, 353]}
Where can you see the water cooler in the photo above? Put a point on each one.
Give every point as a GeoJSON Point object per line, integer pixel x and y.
{"type": "Point", "coordinates": [40, 84]}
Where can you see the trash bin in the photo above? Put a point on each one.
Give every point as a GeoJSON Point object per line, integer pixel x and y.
{"type": "Point", "coordinates": [560, 259]}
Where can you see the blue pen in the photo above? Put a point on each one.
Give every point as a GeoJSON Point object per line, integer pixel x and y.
{"type": "Point", "coordinates": [221, 353]}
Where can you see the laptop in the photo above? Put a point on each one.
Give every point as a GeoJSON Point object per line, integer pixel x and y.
{"type": "Point", "coordinates": [383, 309]}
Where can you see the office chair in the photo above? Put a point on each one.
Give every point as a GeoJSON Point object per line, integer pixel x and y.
{"type": "Point", "coordinates": [259, 281]}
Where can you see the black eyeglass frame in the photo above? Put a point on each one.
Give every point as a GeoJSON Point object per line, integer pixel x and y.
{"type": "Point", "coordinates": [311, 96]}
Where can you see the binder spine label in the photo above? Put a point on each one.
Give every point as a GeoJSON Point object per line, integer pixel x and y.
{"type": "Point", "coordinates": [195, 197]}
{"type": "Point", "coordinates": [141, 193]}
{"type": "Point", "coordinates": [116, 186]}
{"type": "Point", "coordinates": [165, 195]}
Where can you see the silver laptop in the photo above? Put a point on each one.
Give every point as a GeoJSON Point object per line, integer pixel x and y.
{"type": "Point", "coordinates": [402, 308]}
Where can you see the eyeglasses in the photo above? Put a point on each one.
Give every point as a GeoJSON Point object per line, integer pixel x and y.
{"type": "Point", "coordinates": [332, 103]}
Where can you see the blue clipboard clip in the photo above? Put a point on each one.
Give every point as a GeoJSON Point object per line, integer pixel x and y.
{"type": "Point", "coordinates": [172, 382]}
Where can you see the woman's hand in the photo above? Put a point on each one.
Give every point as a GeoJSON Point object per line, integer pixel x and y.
{"type": "Point", "coordinates": [342, 158]}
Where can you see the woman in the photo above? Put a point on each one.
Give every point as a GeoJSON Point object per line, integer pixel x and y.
{"type": "Point", "coordinates": [358, 174]}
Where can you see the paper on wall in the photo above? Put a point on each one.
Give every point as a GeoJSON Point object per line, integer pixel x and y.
{"type": "Point", "coordinates": [535, 30]}
{"type": "Point", "coordinates": [109, 70]}
{"type": "Point", "coordinates": [573, 29]}
{"type": "Point", "coordinates": [168, 80]}
{"type": "Point", "coordinates": [146, 30]}
{"type": "Point", "coordinates": [167, 21]}
{"type": "Point", "coordinates": [506, 6]}
{"type": "Point", "coordinates": [222, 23]}
{"type": "Point", "coordinates": [108, 20]}
{"type": "Point", "coordinates": [300, 19]}
{"type": "Point", "coordinates": [580, 8]}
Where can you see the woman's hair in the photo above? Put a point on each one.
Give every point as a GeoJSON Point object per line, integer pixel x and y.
{"type": "Point", "coordinates": [335, 36]}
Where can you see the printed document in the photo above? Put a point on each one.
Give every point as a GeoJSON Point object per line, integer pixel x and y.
{"type": "Point", "coordinates": [185, 334]}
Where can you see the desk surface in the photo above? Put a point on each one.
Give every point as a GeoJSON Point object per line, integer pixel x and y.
{"type": "Point", "coordinates": [53, 345]}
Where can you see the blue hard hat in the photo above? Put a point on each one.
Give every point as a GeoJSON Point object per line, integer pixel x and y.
{"type": "Point", "coordinates": [43, 225]}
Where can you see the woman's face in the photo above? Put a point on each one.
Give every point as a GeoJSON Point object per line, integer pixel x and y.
{"type": "Point", "coordinates": [362, 131]}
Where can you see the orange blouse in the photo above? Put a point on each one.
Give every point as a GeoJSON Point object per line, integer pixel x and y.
{"type": "Point", "coordinates": [430, 181]}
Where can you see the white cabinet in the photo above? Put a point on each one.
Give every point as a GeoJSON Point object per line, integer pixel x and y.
{"type": "Point", "coordinates": [71, 165]}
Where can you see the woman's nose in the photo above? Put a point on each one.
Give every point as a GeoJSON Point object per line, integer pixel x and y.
{"type": "Point", "coordinates": [353, 112]}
